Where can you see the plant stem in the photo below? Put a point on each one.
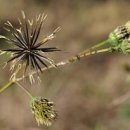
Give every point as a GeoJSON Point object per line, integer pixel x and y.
{"type": "Point", "coordinates": [25, 90]}
{"type": "Point", "coordinates": [84, 54]}
{"type": "Point", "coordinates": [13, 78]}
{"type": "Point", "coordinates": [6, 86]}
{"type": "Point", "coordinates": [96, 46]}
{"type": "Point", "coordinates": [71, 60]}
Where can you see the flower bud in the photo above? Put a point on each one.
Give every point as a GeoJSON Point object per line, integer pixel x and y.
{"type": "Point", "coordinates": [43, 110]}
{"type": "Point", "coordinates": [118, 35]}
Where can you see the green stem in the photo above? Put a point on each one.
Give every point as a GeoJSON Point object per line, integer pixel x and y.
{"type": "Point", "coordinates": [13, 79]}
{"type": "Point", "coordinates": [101, 44]}
{"type": "Point", "coordinates": [96, 46]}
{"type": "Point", "coordinates": [6, 86]}
{"type": "Point", "coordinates": [25, 90]}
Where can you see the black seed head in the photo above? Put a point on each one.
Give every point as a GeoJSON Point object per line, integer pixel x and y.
{"type": "Point", "coordinates": [28, 50]}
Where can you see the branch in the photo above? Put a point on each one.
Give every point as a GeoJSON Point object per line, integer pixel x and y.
{"type": "Point", "coordinates": [70, 60]}
{"type": "Point", "coordinates": [6, 86]}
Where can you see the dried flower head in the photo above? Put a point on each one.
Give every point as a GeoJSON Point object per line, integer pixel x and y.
{"type": "Point", "coordinates": [28, 50]}
{"type": "Point", "coordinates": [43, 110]}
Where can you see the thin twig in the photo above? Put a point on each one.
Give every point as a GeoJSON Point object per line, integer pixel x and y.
{"type": "Point", "coordinates": [119, 100]}
{"type": "Point", "coordinates": [69, 61]}
{"type": "Point", "coordinates": [6, 86]}
{"type": "Point", "coordinates": [25, 90]}
{"type": "Point", "coordinates": [12, 80]}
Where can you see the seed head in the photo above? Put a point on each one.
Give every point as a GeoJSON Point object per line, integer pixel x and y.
{"type": "Point", "coordinates": [27, 49]}
{"type": "Point", "coordinates": [43, 111]}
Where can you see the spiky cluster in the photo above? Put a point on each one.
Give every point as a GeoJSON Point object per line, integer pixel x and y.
{"type": "Point", "coordinates": [28, 50]}
{"type": "Point", "coordinates": [43, 110]}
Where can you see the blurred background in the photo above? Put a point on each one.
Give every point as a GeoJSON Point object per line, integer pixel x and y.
{"type": "Point", "coordinates": [81, 91]}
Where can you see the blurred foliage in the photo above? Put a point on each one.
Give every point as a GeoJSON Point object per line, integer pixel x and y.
{"type": "Point", "coordinates": [81, 90]}
{"type": "Point", "coordinates": [125, 111]}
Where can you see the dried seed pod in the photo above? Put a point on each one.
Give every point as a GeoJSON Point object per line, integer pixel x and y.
{"type": "Point", "coordinates": [28, 50]}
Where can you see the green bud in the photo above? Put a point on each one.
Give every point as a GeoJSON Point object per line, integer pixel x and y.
{"type": "Point", "coordinates": [118, 35]}
{"type": "Point", "coordinates": [43, 111]}
{"type": "Point", "coordinates": [123, 47]}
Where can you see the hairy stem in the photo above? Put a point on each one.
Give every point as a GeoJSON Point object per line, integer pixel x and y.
{"type": "Point", "coordinates": [84, 54]}
{"type": "Point", "coordinates": [71, 60]}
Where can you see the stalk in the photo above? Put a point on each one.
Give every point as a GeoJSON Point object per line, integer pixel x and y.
{"type": "Point", "coordinates": [24, 89]}
{"type": "Point", "coordinates": [85, 53]}
{"type": "Point", "coordinates": [6, 86]}
{"type": "Point", "coordinates": [11, 81]}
